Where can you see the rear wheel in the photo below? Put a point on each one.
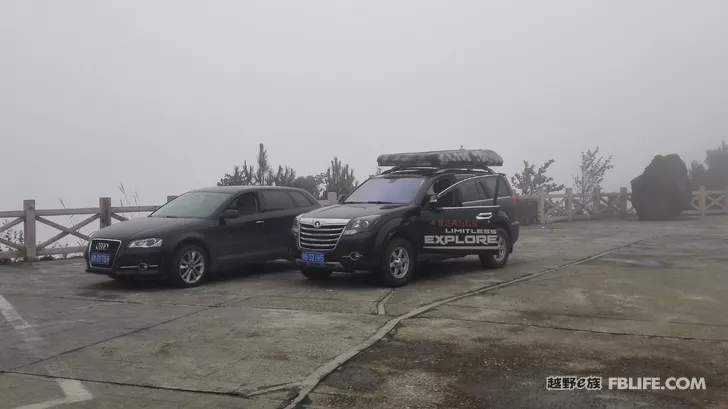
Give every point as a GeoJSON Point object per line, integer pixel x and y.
{"type": "Point", "coordinates": [316, 274]}
{"type": "Point", "coordinates": [498, 258]}
{"type": "Point", "coordinates": [189, 267]}
{"type": "Point", "coordinates": [398, 263]}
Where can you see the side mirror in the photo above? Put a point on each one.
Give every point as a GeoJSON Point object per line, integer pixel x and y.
{"type": "Point", "coordinates": [229, 214]}
{"type": "Point", "coordinates": [431, 202]}
{"type": "Point", "coordinates": [342, 197]}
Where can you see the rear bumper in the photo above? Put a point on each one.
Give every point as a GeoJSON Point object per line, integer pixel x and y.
{"type": "Point", "coordinates": [515, 232]}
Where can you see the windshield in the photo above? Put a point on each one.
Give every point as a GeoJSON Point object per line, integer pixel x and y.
{"type": "Point", "coordinates": [195, 205]}
{"type": "Point", "coordinates": [387, 190]}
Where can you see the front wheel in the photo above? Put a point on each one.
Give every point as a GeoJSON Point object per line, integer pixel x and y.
{"type": "Point", "coordinates": [398, 263]}
{"type": "Point", "coordinates": [316, 274]}
{"type": "Point", "coordinates": [498, 258]}
{"type": "Point", "coordinates": [189, 267]}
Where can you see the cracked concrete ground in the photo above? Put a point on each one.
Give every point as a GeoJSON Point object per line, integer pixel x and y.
{"type": "Point", "coordinates": [254, 339]}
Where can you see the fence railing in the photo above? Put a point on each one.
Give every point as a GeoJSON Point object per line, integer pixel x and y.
{"type": "Point", "coordinates": [29, 248]}
{"type": "Point", "coordinates": [554, 207]}
{"type": "Point", "coordinates": [569, 206]}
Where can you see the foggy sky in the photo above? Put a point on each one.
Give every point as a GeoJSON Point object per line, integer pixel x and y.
{"type": "Point", "coordinates": [166, 96]}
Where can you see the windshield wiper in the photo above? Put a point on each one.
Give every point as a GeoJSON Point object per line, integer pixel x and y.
{"type": "Point", "coordinates": [380, 202]}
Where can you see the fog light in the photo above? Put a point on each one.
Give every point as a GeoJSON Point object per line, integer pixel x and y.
{"type": "Point", "coordinates": [143, 266]}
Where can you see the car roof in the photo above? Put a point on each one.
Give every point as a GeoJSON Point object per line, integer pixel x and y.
{"type": "Point", "coordinates": [243, 189]}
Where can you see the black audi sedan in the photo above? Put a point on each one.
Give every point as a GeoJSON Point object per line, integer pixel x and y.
{"type": "Point", "coordinates": [199, 232]}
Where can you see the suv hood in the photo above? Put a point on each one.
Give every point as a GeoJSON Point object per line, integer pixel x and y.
{"type": "Point", "coordinates": [146, 227]}
{"type": "Point", "coordinates": [351, 211]}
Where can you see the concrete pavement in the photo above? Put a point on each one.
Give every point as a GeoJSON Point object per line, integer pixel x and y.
{"type": "Point", "coordinates": [255, 339]}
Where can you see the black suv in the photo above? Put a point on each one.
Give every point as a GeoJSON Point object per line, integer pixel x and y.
{"type": "Point", "coordinates": [429, 205]}
{"type": "Point", "coordinates": [200, 231]}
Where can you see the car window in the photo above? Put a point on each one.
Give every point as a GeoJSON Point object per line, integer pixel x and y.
{"type": "Point", "coordinates": [247, 204]}
{"type": "Point", "coordinates": [401, 189]}
{"type": "Point", "coordinates": [489, 185]}
{"type": "Point", "coordinates": [276, 200]}
{"type": "Point", "coordinates": [440, 185]}
{"type": "Point", "coordinates": [300, 199]}
{"type": "Point", "coordinates": [193, 205]}
{"type": "Point", "coordinates": [469, 192]}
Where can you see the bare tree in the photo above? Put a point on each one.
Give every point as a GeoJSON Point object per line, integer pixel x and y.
{"type": "Point", "coordinates": [591, 171]}
{"type": "Point", "coordinates": [262, 173]}
{"type": "Point", "coordinates": [377, 172]}
{"type": "Point", "coordinates": [311, 184]}
{"type": "Point", "coordinates": [284, 176]}
{"type": "Point", "coordinates": [530, 180]}
{"type": "Point", "coordinates": [339, 178]}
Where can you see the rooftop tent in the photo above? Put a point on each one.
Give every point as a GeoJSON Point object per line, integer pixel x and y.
{"type": "Point", "coordinates": [447, 158]}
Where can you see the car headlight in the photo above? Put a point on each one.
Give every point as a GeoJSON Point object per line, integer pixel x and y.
{"type": "Point", "coordinates": [360, 224]}
{"type": "Point", "coordinates": [145, 244]}
{"type": "Point", "coordinates": [296, 222]}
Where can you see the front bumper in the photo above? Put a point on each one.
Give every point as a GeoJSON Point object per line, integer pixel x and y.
{"type": "Point", "coordinates": [133, 262]}
{"type": "Point", "coordinates": [355, 252]}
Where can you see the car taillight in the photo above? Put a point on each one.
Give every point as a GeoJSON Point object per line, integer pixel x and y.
{"type": "Point", "coordinates": [514, 199]}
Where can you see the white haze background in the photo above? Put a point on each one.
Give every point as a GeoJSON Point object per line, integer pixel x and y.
{"type": "Point", "coordinates": [166, 96]}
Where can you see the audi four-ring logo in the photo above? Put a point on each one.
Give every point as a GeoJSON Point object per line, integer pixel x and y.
{"type": "Point", "coordinates": [102, 246]}
{"type": "Point", "coordinates": [317, 224]}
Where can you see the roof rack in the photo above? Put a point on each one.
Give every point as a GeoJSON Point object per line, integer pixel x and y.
{"type": "Point", "coordinates": [458, 158]}
{"type": "Point", "coordinates": [435, 170]}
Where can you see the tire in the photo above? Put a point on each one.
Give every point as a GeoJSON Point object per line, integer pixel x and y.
{"type": "Point", "coordinates": [500, 258]}
{"type": "Point", "coordinates": [189, 267]}
{"type": "Point", "coordinates": [316, 274]}
{"type": "Point", "coordinates": [398, 263]}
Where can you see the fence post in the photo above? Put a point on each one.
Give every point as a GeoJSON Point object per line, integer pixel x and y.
{"type": "Point", "coordinates": [597, 201]}
{"type": "Point", "coordinates": [29, 236]}
{"type": "Point", "coordinates": [332, 198]}
{"type": "Point", "coordinates": [569, 203]}
{"type": "Point", "coordinates": [725, 200]}
{"type": "Point", "coordinates": [104, 212]}
{"type": "Point", "coordinates": [701, 201]}
{"type": "Point", "coordinates": [541, 206]}
{"type": "Point", "coordinates": [623, 202]}
{"type": "Point", "coordinates": [171, 197]}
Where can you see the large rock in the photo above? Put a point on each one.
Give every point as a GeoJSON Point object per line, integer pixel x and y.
{"type": "Point", "coordinates": [663, 190]}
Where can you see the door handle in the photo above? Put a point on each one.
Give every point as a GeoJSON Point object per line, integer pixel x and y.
{"type": "Point", "coordinates": [260, 222]}
{"type": "Point", "coordinates": [484, 216]}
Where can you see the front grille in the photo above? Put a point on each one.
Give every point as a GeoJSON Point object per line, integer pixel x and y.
{"type": "Point", "coordinates": [322, 238]}
{"type": "Point", "coordinates": [111, 248]}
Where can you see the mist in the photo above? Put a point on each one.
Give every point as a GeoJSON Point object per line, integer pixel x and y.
{"type": "Point", "coordinates": [167, 96]}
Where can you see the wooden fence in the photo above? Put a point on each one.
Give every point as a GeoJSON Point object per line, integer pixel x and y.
{"type": "Point", "coordinates": [568, 206]}
{"type": "Point", "coordinates": [549, 208]}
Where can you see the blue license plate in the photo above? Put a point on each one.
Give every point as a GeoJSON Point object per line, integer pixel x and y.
{"type": "Point", "coordinates": [312, 257]}
{"type": "Point", "coordinates": [100, 259]}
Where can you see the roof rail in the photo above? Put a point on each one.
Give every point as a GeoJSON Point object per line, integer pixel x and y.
{"type": "Point", "coordinates": [407, 168]}
{"type": "Point", "coordinates": [483, 169]}
{"type": "Point", "coordinates": [437, 169]}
